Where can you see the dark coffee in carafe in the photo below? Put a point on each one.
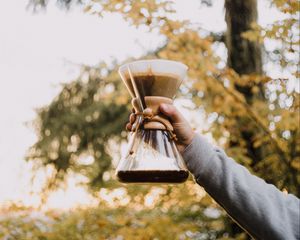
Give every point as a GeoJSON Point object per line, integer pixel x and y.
{"type": "Point", "coordinates": [153, 176]}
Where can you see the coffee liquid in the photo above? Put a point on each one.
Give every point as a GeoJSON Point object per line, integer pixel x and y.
{"type": "Point", "coordinates": [153, 176]}
{"type": "Point", "coordinates": [149, 84]}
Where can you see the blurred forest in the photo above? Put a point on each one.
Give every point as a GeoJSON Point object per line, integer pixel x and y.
{"type": "Point", "coordinates": [254, 117]}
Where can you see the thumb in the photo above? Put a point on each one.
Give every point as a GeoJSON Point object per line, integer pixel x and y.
{"type": "Point", "coordinates": [171, 112]}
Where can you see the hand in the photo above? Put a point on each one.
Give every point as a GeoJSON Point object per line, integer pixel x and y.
{"type": "Point", "coordinates": [182, 128]}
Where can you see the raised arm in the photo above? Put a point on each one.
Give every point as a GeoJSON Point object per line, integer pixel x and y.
{"type": "Point", "coordinates": [259, 208]}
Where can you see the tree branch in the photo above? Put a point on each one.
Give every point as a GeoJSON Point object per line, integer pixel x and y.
{"type": "Point", "coordinates": [254, 116]}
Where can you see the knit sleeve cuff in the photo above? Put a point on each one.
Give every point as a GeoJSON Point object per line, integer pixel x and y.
{"type": "Point", "coordinates": [197, 155]}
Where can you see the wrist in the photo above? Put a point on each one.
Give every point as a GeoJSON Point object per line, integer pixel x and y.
{"type": "Point", "coordinates": [182, 144]}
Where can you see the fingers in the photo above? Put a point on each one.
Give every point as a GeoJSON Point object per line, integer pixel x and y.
{"type": "Point", "coordinates": [171, 112]}
{"type": "Point", "coordinates": [132, 118]}
{"type": "Point", "coordinates": [168, 110]}
{"type": "Point", "coordinates": [128, 127]}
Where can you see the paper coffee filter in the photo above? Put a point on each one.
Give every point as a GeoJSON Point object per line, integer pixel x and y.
{"type": "Point", "coordinates": [174, 69]}
{"type": "Point", "coordinates": [156, 66]}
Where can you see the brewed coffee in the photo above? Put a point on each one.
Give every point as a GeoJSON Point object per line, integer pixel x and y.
{"type": "Point", "coordinates": [149, 84]}
{"type": "Point", "coordinates": [153, 176]}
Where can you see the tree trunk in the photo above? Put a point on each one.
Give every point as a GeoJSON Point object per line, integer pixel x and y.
{"type": "Point", "coordinates": [245, 58]}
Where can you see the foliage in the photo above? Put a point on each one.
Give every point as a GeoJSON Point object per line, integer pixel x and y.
{"type": "Point", "coordinates": [78, 124]}
{"type": "Point", "coordinates": [88, 117]}
{"type": "Point", "coordinates": [142, 216]}
{"type": "Point", "coordinates": [283, 35]}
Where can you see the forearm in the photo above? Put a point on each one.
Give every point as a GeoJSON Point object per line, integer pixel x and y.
{"type": "Point", "coordinates": [260, 208]}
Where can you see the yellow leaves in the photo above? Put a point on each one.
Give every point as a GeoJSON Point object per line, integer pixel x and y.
{"type": "Point", "coordinates": [297, 74]}
{"type": "Point", "coordinates": [289, 120]}
{"type": "Point", "coordinates": [251, 80]}
{"type": "Point", "coordinates": [218, 224]}
{"type": "Point", "coordinates": [198, 85]}
{"type": "Point", "coordinates": [87, 8]}
{"type": "Point", "coordinates": [206, 200]}
{"type": "Point", "coordinates": [122, 220]}
{"type": "Point", "coordinates": [188, 47]}
{"type": "Point", "coordinates": [296, 163]}
{"type": "Point", "coordinates": [239, 153]}
{"type": "Point", "coordinates": [171, 27]}
{"type": "Point", "coordinates": [102, 223]}
{"type": "Point", "coordinates": [260, 140]}
{"type": "Point", "coordinates": [291, 6]}
{"type": "Point", "coordinates": [255, 90]}
{"type": "Point", "coordinates": [161, 227]}
{"type": "Point", "coordinates": [255, 34]}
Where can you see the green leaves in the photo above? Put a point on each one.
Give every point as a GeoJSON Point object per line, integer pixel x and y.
{"type": "Point", "coordinates": [80, 121]}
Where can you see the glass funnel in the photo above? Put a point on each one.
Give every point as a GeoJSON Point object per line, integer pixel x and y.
{"type": "Point", "coordinates": [152, 156]}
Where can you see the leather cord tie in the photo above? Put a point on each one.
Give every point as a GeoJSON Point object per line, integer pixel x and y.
{"type": "Point", "coordinates": [148, 117]}
{"type": "Point", "coordinates": [151, 118]}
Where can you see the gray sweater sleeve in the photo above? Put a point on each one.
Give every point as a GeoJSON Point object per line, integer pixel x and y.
{"type": "Point", "coordinates": [259, 208]}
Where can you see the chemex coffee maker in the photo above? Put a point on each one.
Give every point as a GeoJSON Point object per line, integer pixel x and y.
{"type": "Point", "coordinates": [152, 156]}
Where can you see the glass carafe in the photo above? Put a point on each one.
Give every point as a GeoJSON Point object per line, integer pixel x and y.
{"type": "Point", "coordinates": [152, 155]}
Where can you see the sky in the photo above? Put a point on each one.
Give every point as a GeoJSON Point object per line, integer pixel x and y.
{"type": "Point", "coordinates": [37, 53]}
{"type": "Point", "coordinates": [40, 51]}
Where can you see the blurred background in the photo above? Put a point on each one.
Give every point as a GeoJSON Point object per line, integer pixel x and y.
{"type": "Point", "coordinates": [64, 109]}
